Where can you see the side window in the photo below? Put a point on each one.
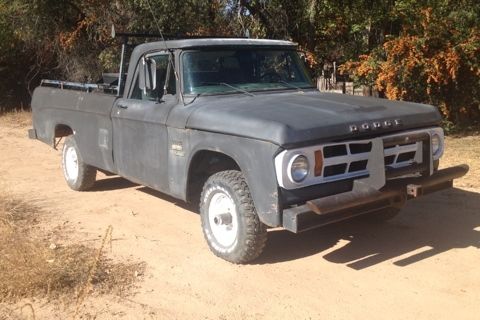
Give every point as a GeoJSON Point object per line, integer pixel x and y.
{"type": "Point", "coordinates": [162, 61]}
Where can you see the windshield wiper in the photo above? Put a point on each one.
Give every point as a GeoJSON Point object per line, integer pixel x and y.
{"type": "Point", "coordinates": [230, 86]}
{"type": "Point", "coordinates": [290, 85]}
{"type": "Point", "coordinates": [193, 100]}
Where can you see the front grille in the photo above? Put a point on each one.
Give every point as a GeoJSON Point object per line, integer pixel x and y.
{"type": "Point", "coordinates": [406, 157]}
{"type": "Point", "coordinates": [389, 160]}
{"type": "Point", "coordinates": [358, 166]}
{"type": "Point", "coordinates": [334, 170]}
{"type": "Point", "coordinates": [406, 154]}
{"type": "Point", "coordinates": [345, 160]}
{"type": "Point", "coordinates": [403, 154]}
{"type": "Point", "coordinates": [350, 159]}
{"type": "Point", "coordinates": [360, 147]}
{"type": "Point", "coordinates": [400, 155]}
{"type": "Point", "coordinates": [335, 151]}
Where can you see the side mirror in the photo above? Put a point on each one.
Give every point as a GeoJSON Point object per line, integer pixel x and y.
{"type": "Point", "coordinates": [148, 74]}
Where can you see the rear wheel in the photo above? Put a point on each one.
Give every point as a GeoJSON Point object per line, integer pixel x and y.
{"type": "Point", "coordinates": [229, 221]}
{"type": "Point", "coordinates": [78, 175]}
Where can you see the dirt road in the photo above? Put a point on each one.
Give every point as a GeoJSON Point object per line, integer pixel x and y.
{"type": "Point", "coordinates": [422, 265]}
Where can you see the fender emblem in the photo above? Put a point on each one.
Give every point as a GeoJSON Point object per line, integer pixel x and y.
{"type": "Point", "coordinates": [177, 148]}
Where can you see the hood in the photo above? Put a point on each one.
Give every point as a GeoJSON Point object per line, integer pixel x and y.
{"type": "Point", "coordinates": [292, 118]}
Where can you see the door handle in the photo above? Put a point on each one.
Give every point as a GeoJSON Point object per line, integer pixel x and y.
{"type": "Point", "coordinates": [122, 106]}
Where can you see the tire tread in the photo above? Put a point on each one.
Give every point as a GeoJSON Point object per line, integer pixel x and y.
{"type": "Point", "coordinates": [256, 231]}
{"type": "Point", "coordinates": [87, 174]}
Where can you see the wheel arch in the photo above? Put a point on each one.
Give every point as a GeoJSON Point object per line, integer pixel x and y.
{"type": "Point", "coordinates": [62, 130]}
{"type": "Point", "coordinates": [204, 163]}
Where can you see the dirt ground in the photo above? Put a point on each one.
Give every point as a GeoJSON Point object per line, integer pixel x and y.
{"type": "Point", "coordinates": [424, 264]}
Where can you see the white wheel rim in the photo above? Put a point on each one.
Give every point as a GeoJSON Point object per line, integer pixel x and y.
{"type": "Point", "coordinates": [71, 163]}
{"type": "Point", "coordinates": [222, 216]}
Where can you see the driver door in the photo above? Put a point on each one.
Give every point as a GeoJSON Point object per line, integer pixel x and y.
{"type": "Point", "coordinates": [140, 145]}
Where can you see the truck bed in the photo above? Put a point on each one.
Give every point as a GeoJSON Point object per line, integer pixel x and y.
{"type": "Point", "coordinates": [56, 109]}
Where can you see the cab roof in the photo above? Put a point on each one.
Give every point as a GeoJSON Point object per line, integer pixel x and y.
{"type": "Point", "coordinates": [141, 49]}
{"type": "Point", "coordinates": [206, 42]}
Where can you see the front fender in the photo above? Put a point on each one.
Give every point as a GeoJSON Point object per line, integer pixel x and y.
{"type": "Point", "coordinates": [255, 159]}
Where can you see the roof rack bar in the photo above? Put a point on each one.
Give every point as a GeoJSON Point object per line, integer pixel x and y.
{"type": "Point", "coordinates": [76, 85]}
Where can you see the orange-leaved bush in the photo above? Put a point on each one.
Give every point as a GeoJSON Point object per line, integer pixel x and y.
{"type": "Point", "coordinates": [439, 65]}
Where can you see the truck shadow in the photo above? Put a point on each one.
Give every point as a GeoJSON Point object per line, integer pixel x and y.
{"type": "Point", "coordinates": [165, 197]}
{"type": "Point", "coordinates": [426, 227]}
{"type": "Point", "coordinates": [112, 183]}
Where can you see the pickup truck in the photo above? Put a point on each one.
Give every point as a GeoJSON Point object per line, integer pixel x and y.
{"type": "Point", "coordinates": [237, 127]}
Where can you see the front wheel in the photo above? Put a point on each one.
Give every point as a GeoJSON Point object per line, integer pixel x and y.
{"type": "Point", "coordinates": [78, 175]}
{"type": "Point", "coordinates": [229, 221]}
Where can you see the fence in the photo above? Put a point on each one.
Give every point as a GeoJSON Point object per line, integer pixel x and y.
{"type": "Point", "coordinates": [331, 84]}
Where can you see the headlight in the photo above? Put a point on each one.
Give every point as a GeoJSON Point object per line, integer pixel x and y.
{"type": "Point", "coordinates": [299, 168]}
{"type": "Point", "coordinates": [436, 143]}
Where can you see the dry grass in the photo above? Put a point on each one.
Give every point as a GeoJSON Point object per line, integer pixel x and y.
{"type": "Point", "coordinates": [16, 119]}
{"type": "Point", "coordinates": [464, 150]}
{"type": "Point", "coordinates": [31, 267]}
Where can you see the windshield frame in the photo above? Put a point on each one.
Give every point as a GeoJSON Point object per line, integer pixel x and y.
{"type": "Point", "coordinates": [282, 87]}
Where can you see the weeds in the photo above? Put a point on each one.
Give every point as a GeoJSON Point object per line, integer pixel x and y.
{"type": "Point", "coordinates": [16, 119]}
{"type": "Point", "coordinates": [31, 267]}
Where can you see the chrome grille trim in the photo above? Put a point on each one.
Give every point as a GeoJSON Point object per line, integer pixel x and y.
{"type": "Point", "coordinates": [403, 149]}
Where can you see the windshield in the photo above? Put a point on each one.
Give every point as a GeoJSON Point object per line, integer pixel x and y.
{"type": "Point", "coordinates": [234, 70]}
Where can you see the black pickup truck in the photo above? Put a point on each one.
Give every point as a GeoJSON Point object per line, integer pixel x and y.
{"type": "Point", "coordinates": [237, 126]}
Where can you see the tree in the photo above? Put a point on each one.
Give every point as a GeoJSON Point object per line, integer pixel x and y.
{"type": "Point", "coordinates": [419, 50]}
{"type": "Point", "coordinates": [435, 60]}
